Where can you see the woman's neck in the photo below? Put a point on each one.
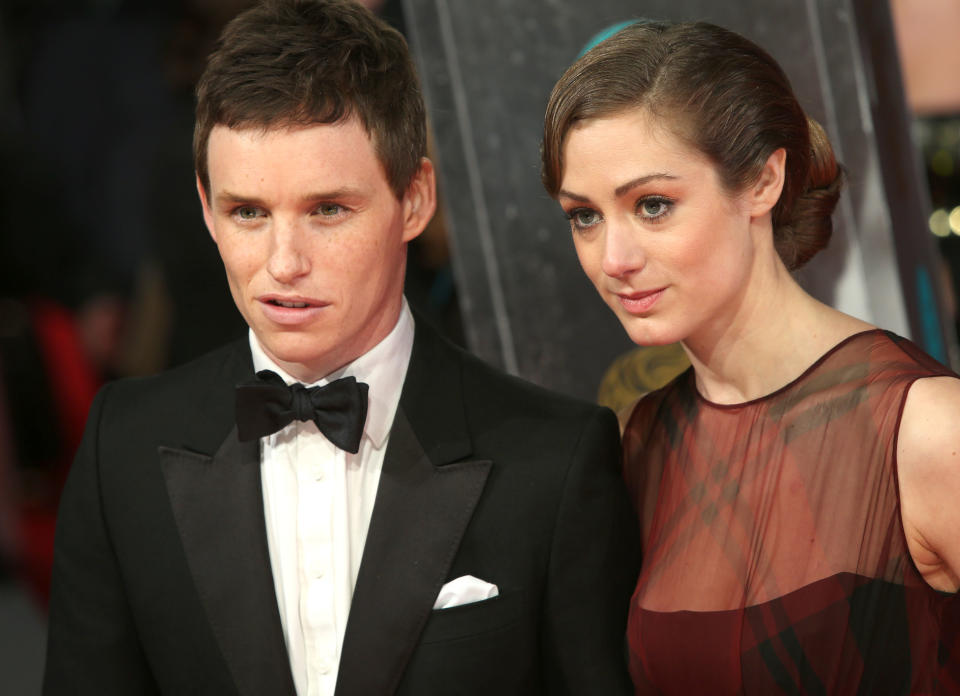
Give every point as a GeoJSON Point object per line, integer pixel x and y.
{"type": "Point", "coordinates": [769, 339]}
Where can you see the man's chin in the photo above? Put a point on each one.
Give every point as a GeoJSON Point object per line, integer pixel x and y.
{"type": "Point", "coordinates": [298, 357]}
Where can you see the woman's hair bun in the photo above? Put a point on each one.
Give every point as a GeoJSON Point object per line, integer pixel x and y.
{"type": "Point", "coordinates": [802, 229]}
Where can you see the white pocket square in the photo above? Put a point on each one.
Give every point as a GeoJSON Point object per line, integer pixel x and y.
{"type": "Point", "coordinates": [464, 590]}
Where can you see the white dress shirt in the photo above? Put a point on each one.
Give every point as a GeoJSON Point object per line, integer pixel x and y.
{"type": "Point", "coordinates": [317, 501]}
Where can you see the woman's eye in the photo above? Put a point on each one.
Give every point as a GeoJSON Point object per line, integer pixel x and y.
{"type": "Point", "coordinates": [653, 208]}
{"type": "Point", "coordinates": [584, 217]}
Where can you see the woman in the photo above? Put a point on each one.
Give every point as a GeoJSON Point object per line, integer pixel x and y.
{"type": "Point", "coordinates": [799, 487]}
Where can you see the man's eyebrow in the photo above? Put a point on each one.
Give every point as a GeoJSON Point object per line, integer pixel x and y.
{"type": "Point", "coordinates": [342, 192]}
{"type": "Point", "coordinates": [230, 197]}
{"type": "Point", "coordinates": [622, 189]}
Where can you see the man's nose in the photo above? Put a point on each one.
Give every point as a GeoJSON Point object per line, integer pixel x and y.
{"type": "Point", "coordinates": [289, 259]}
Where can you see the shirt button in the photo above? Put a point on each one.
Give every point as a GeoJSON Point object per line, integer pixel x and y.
{"type": "Point", "coordinates": [324, 667]}
{"type": "Point", "coordinates": [320, 476]}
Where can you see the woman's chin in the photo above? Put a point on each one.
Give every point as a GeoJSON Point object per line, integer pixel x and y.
{"type": "Point", "coordinates": [650, 335]}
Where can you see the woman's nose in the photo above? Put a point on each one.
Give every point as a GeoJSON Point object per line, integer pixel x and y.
{"type": "Point", "coordinates": [622, 253]}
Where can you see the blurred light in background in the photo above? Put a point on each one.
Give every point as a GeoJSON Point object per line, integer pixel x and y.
{"type": "Point", "coordinates": [954, 220]}
{"type": "Point", "coordinates": [939, 223]}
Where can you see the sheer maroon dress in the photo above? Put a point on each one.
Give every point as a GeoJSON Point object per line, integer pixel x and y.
{"type": "Point", "coordinates": [775, 560]}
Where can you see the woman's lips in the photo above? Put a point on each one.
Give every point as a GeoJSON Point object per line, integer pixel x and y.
{"type": "Point", "coordinates": [639, 302]}
{"type": "Point", "coordinates": [290, 310]}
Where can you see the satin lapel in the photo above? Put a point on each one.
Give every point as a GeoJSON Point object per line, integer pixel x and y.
{"type": "Point", "coordinates": [420, 515]}
{"type": "Point", "coordinates": [425, 500]}
{"type": "Point", "coordinates": [218, 506]}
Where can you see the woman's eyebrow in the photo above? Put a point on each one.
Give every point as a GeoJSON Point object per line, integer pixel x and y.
{"type": "Point", "coordinates": [622, 189]}
{"type": "Point", "coordinates": [632, 184]}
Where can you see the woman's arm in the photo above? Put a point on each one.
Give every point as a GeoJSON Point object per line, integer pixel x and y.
{"type": "Point", "coordinates": [928, 456]}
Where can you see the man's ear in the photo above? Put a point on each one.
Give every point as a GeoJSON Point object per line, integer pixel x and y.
{"type": "Point", "coordinates": [765, 192]}
{"type": "Point", "coordinates": [420, 200]}
{"type": "Point", "coordinates": [207, 212]}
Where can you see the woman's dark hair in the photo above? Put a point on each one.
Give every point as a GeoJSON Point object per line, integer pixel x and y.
{"type": "Point", "coordinates": [289, 63]}
{"type": "Point", "coordinates": [723, 95]}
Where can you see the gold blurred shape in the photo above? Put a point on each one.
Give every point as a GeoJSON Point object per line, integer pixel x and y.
{"type": "Point", "coordinates": [639, 371]}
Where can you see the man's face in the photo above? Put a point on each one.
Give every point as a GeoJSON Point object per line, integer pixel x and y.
{"type": "Point", "coordinates": [312, 238]}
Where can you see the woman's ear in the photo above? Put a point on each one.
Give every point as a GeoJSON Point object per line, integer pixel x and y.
{"type": "Point", "coordinates": [765, 192]}
{"type": "Point", "coordinates": [420, 200]}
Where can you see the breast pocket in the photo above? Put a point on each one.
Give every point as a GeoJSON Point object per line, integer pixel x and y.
{"type": "Point", "coordinates": [477, 649]}
{"type": "Point", "coordinates": [475, 619]}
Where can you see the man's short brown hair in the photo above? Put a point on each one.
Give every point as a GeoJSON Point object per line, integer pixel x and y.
{"type": "Point", "coordinates": [294, 63]}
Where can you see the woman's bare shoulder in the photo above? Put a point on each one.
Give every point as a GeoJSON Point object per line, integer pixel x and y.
{"type": "Point", "coordinates": [928, 463]}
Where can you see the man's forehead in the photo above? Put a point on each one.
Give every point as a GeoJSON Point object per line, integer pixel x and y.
{"type": "Point", "coordinates": [291, 160]}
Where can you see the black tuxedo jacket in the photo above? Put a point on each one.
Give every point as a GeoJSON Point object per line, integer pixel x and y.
{"type": "Point", "coordinates": [162, 579]}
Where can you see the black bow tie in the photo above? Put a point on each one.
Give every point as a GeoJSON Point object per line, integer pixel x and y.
{"type": "Point", "coordinates": [267, 404]}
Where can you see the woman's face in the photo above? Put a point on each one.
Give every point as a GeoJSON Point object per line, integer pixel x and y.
{"type": "Point", "coordinates": [666, 246]}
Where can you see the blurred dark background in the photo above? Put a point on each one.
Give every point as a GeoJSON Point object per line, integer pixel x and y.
{"type": "Point", "coordinates": [106, 269]}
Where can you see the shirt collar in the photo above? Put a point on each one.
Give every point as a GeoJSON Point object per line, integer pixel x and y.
{"type": "Point", "coordinates": [383, 367]}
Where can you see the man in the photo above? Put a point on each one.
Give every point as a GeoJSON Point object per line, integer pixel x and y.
{"type": "Point", "coordinates": [467, 533]}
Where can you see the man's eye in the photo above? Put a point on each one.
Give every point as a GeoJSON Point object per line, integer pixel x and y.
{"type": "Point", "coordinates": [247, 212]}
{"type": "Point", "coordinates": [330, 209]}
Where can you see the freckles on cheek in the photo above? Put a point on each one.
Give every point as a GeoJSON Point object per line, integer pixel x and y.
{"type": "Point", "coordinates": [243, 254]}
{"type": "Point", "coordinates": [240, 269]}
